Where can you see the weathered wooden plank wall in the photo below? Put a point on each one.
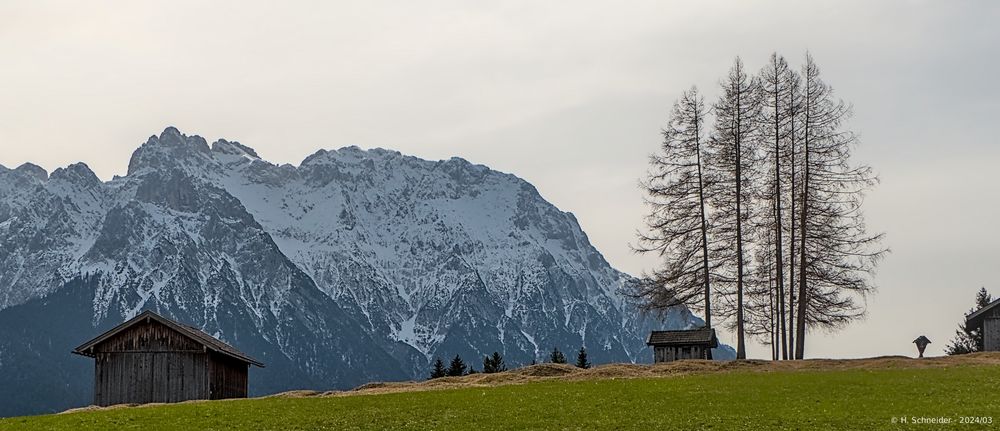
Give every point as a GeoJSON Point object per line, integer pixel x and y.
{"type": "Point", "coordinates": [229, 377]}
{"type": "Point", "coordinates": [673, 353]}
{"type": "Point", "coordinates": [150, 363]}
{"type": "Point", "coordinates": [991, 331]}
{"type": "Point", "coordinates": [135, 377]}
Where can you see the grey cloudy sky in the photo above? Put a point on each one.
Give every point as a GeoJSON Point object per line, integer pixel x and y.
{"type": "Point", "coordinates": [568, 95]}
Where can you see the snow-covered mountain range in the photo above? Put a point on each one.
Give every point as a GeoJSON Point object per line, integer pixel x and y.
{"type": "Point", "coordinates": [351, 267]}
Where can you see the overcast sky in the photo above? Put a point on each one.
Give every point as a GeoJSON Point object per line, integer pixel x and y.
{"type": "Point", "coordinates": [568, 95]}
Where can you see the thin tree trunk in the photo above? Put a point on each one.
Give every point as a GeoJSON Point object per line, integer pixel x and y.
{"type": "Point", "coordinates": [800, 327]}
{"type": "Point", "coordinates": [704, 241]}
{"type": "Point", "coordinates": [777, 216]}
{"type": "Point", "coordinates": [791, 251]}
{"type": "Point", "coordinates": [775, 316]}
{"type": "Point", "coordinates": [773, 328]}
{"type": "Point", "coordinates": [791, 244]}
{"type": "Point", "coordinates": [741, 350]}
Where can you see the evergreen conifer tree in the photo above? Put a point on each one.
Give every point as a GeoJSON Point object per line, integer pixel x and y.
{"type": "Point", "coordinates": [438, 370]}
{"type": "Point", "coordinates": [581, 358]}
{"type": "Point", "coordinates": [457, 367]}
{"type": "Point", "coordinates": [494, 363]}
{"type": "Point", "coordinates": [969, 340]}
{"type": "Point", "coordinates": [557, 357]}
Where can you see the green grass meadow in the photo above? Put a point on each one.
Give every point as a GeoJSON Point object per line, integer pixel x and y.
{"type": "Point", "coordinates": [740, 400]}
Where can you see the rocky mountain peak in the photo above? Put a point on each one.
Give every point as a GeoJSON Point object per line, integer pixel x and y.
{"type": "Point", "coordinates": [170, 148]}
{"type": "Point", "coordinates": [33, 171]}
{"type": "Point", "coordinates": [76, 173]}
{"type": "Point", "coordinates": [314, 157]}
{"type": "Point", "coordinates": [223, 146]}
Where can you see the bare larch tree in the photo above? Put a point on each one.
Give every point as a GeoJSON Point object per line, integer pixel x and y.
{"type": "Point", "coordinates": [677, 223]}
{"type": "Point", "coordinates": [731, 161]}
{"type": "Point", "coordinates": [762, 307]}
{"type": "Point", "coordinates": [837, 256]}
{"type": "Point", "coordinates": [793, 107]}
{"type": "Point", "coordinates": [776, 127]}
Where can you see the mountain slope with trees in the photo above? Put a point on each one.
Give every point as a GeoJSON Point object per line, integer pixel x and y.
{"type": "Point", "coordinates": [353, 266]}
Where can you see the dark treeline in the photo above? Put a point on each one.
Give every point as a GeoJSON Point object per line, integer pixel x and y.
{"type": "Point", "coordinates": [495, 364]}
{"type": "Point", "coordinates": [755, 210]}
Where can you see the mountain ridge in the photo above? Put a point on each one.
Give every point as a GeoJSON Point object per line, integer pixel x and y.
{"type": "Point", "coordinates": [355, 265]}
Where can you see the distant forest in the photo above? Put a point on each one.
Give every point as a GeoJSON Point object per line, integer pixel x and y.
{"type": "Point", "coordinates": [755, 210]}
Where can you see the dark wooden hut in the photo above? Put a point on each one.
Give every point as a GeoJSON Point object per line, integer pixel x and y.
{"type": "Point", "coordinates": [987, 318]}
{"type": "Point", "coordinates": [152, 359]}
{"type": "Point", "coordinates": [682, 344]}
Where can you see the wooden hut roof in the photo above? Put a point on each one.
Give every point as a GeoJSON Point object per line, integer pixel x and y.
{"type": "Point", "coordinates": [684, 337]}
{"type": "Point", "coordinates": [195, 334]}
{"type": "Point", "coordinates": [973, 318]}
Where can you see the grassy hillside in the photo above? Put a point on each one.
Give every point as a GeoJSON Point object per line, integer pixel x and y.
{"type": "Point", "coordinates": [847, 395]}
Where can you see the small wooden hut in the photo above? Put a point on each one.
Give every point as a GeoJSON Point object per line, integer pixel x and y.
{"type": "Point", "coordinates": [682, 344]}
{"type": "Point", "coordinates": [152, 359]}
{"type": "Point", "coordinates": [987, 318]}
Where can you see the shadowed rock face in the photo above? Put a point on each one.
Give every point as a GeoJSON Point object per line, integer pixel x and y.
{"type": "Point", "coordinates": [354, 266]}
